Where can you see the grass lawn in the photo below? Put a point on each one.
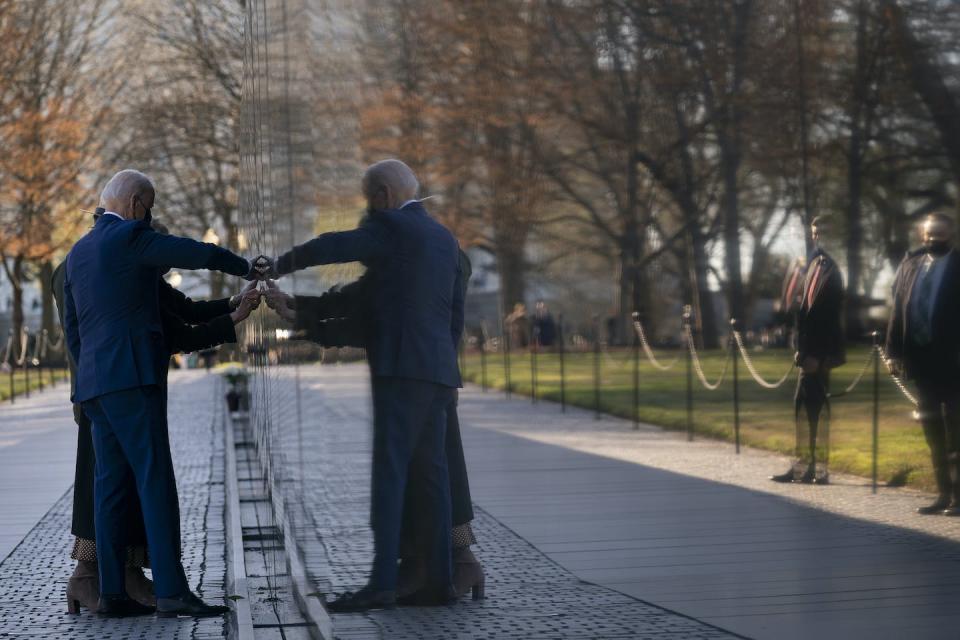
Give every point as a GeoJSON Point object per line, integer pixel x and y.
{"type": "Point", "coordinates": [20, 381]}
{"type": "Point", "coordinates": [766, 416]}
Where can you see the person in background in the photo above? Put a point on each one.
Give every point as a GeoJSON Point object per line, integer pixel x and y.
{"type": "Point", "coordinates": [923, 345]}
{"type": "Point", "coordinates": [820, 348]}
{"type": "Point", "coordinates": [518, 326]}
{"type": "Point", "coordinates": [544, 324]}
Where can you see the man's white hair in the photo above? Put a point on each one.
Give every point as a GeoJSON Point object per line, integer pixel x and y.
{"type": "Point", "coordinates": [396, 176]}
{"type": "Point", "coordinates": [123, 185]}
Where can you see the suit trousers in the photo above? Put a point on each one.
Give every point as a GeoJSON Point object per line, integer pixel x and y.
{"type": "Point", "coordinates": [415, 511]}
{"type": "Point", "coordinates": [810, 399]}
{"type": "Point", "coordinates": [133, 453]}
{"type": "Point", "coordinates": [409, 429]}
{"type": "Point", "coordinates": [939, 405]}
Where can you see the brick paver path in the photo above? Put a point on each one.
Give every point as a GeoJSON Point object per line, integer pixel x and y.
{"type": "Point", "coordinates": [33, 577]}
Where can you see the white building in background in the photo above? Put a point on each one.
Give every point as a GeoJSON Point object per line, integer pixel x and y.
{"type": "Point", "coordinates": [32, 305]}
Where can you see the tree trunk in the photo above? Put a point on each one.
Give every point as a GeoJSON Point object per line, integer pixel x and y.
{"type": "Point", "coordinates": [216, 285]}
{"type": "Point", "coordinates": [46, 297]}
{"type": "Point", "coordinates": [927, 82]}
{"type": "Point", "coordinates": [707, 315]}
{"type": "Point", "coordinates": [804, 125]}
{"type": "Point", "coordinates": [854, 235]}
{"type": "Point", "coordinates": [854, 213]}
{"type": "Point", "coordinates": [633, 295]}
{"type": "Point", "coordinates": [511, 266]}
{"type": "Point", "coordinates": [17, 319]}
{"type": "Point", "coordinates": [731, 232]}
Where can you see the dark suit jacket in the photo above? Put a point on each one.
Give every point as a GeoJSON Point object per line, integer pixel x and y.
{"type": "Point", "coordinates": [112, 319]}
{"type": "Point", "coordinates": [414, 265]}
{"type": "Point", "coordinates": [192, 325]}
{"type": "Point", "coordinates": [343, 315]}
{"type": "Point", "coordinates": [179, 337]}
{"type": "Point", "coordinates": [941, 359]}
{"type": "Point", "coordinates": [820, 325]}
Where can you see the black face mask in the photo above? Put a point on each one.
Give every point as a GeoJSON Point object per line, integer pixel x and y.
{"type": "Point", "coordinates": [938, 247]}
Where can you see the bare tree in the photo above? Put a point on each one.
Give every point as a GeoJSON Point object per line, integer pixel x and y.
{"type": "Point", "coordinates": [57, 102]}
{"type": "Point", "coordinates": [186, 115]}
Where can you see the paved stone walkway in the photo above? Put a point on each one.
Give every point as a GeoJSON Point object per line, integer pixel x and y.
{"type": "Point", "coordinates": [687, 526]}
{"type": "Point", "coordinates": [528, 594]}
{"type": "Point", "coordinates": [587, 528]}
{"type": "Point", "coordinates": [33, 576]}
{"type": "Point", "coordinates": [38, 446]}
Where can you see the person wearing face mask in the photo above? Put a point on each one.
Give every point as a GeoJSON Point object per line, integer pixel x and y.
{"type": "Point", "coordinates": [818, 304]}
{"type": "Point", "coordinates": [923, 345]}
{"type": "Point", "coordinates": [188, 325]}
{"type": "Point", "coordinates": [113, 328]}
{"type": "Point", "coordinates": [412, 353]}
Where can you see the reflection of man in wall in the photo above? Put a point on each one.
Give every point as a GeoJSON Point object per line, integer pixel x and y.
{"type": "Point", "coordinates": [820, 348]}
{"type": "Point", "coordinates": [923, 342]}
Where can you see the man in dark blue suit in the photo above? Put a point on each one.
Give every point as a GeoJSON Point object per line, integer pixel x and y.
{"type": "Point", "coordinates": [417, 322]}
{"type": "Point", "coordinates": [113, 329]}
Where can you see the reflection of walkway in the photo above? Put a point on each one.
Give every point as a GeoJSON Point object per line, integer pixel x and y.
{"type": "Point", "coordinates": [698, 530]}
{"type": "Point", "coordinates": [528, 595]}
{"type": "Point", "coordinates": [689, 527]}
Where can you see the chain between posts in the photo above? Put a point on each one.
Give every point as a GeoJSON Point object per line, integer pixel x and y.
{"type": "Point", "coordinates": [697, 366]}
{"type": "Point", "coordinates": [900, 385]}
{"type": "Point", "coordinates": [859, 376]}
{"type": "Point", "coordinates": [753, 370]}
{"type": "Point", "coordinates": [24, 340]}
{"type": "Point", "coordinates": [55, 345]}
{"type": "Point", "coordinates": [37, 346]}
{"type": "Point", "coordinates": [649, 351]}
{"type": "Point", "coordinates": [8, 350]}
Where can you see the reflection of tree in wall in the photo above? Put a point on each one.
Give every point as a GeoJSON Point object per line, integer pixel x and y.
{"type": "Point", "coordinates": [455, 106]}
{"type": "Point", "coordinates": [186, 114]}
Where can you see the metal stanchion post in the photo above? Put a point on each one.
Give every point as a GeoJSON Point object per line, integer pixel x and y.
{"type": "Point", "coordinates": [534, 344]}
{"type": "Point", "coordinates": [482, 343]}
{"type": "Point", "coordinates": [596, 367]}
{"type": "Point", "coordinates": [26, 363]}
{"type": "Point", "coordinates": [44, 360]}
{"type": "Point", "coordinates": [736, 385]}
{"type": "Point", "coordinates": [563, 368]}
{"type": "Point", "coordinates": [38, 357]}
{"type": "Point", "coordinates": [876, 405]}
{"type": "Point", "coordinates": [506, 360]}
{"type": "Point", "coordinates": [636, 373]}
{"type": "Point", "coordinates": [13, 365]}
{"type": "Point", "coordinates": [687, 312]}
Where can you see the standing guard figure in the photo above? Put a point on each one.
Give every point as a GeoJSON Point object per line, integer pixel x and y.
{"type": "Point", "coordinates": [923, 344]}
{"type": "Point", "coordinates": [818, 305]}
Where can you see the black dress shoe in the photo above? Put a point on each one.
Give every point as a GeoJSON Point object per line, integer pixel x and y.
{"type": "Point", "coordinates": [783, 477]}
{"type": "Point", "coordinates": [953, 509]}
{"type": "Point", "coordinates": [364, 600]}
{"type": "Point", "coordinates": [824, 479]}
{"type": "Point", "coordinates": [936, 508]}
{"type": "Point", "coordinates": [809, 476]}
{"type": "Point", "coordinates": [430, 597]}
{"type": "Point", "coordinates": [121, 607]}
{"type": "Point", "coordinates": [188, 605]}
